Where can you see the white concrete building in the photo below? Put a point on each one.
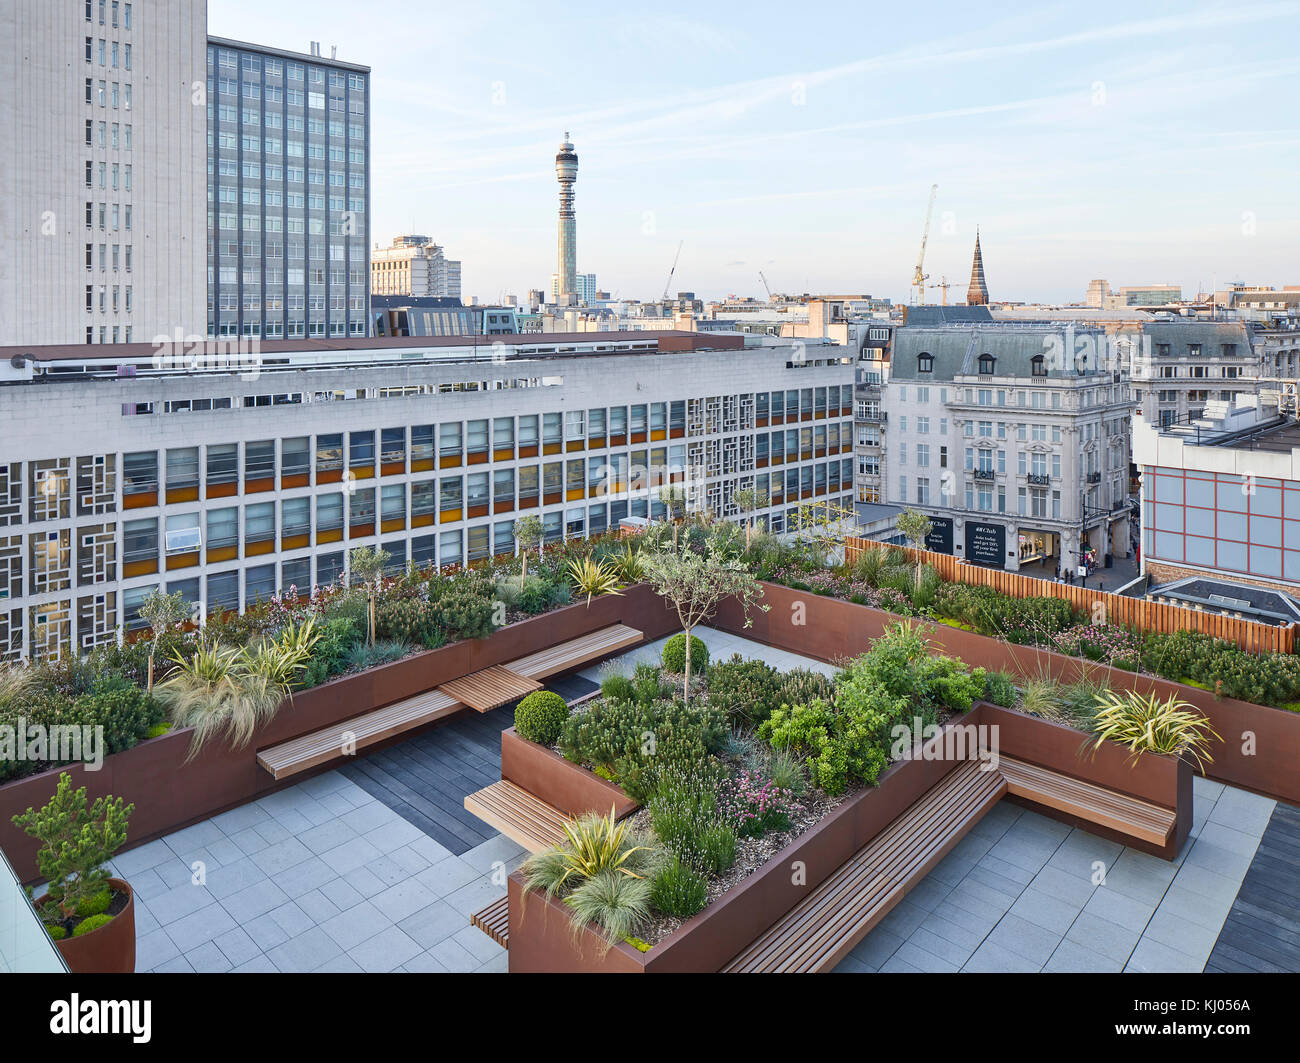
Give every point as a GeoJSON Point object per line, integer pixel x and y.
{"type": "Point", "coordinates": [415, 266]}
{"type": "Point", "coordinates": [123, 469]}
{"type": "Point", "coordinates": [1018, 451]}
{"type": "Point", "coordinates": [103, 200]}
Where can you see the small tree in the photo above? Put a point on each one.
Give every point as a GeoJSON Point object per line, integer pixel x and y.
{"type": "Point", "coordinates": [528, 533]}
{"type": "Point", "coordinates": [162, 612]}
{"type": "Point", "coordinates": [674, 501]}
{"type": "Point", "coordinates": [915, 527]}
{"type": "Point", "coordinates": [367, 565]}
{"type": "Point", "coordinates": [749, 499]}
{"type": "Point", "coordinates": [694, 584]}
{"type": "Point", "coordinates": [77, 839]}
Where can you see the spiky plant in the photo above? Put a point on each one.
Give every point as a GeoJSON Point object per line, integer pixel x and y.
{"type": "Point", "coordinates": [1146, 724]}
{"type": "Point", "coordinates": [235, 690]}
{"type": "Point", "coordinates": [593, 578]}
{"type": "Point", "coordinates": [1040, 696]}
{"type": "Point", "coordinates": [15, 684]}
{"type": "Point", "coordinates": [627, 564]}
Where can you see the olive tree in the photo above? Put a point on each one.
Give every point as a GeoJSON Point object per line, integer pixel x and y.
{"type": "Point", "coordinates": [366, 565]}
{"type": "Point", "coordinates": [528, 533]}
{"type": "Point", "coordinates": [162, 612]}
{"type": "Point", "coordinates": [695, 583]}
{"type": "Point", "coordinates": [915, 527]}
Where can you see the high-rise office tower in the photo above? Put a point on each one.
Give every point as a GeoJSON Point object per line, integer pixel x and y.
{"type": "Point", "coordinates": [566, 172]}
{"type": "Point", "coordinates": [288, 193]}
{"type": "Point", "coordinates": [101, 205]}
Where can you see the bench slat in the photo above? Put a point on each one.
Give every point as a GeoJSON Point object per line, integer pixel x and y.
{"type": "Point", "coordinates": [576, 652]}
{"type": "Point", "coordinates": [518, 815]}
{"type": "Point", "coordinates": [320, 747]}
{"type": "Point", "coordinates": [494, 921]}
{"type": "Point", "coordinates": [1129, 815]}
{"type": "Point", "coordinates": [490, 688]}
{"type": "Point", "coordinates": [824, 927]}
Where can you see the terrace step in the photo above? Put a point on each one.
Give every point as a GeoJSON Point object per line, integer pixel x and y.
{"type": "Point", "coordinates": [494, 921]}
{"type": "Point", "coordinates": [327, 744]}
{"type": "Point", "coordinates": [490, 688]}
{"type": "Point", "coordinates": [518, 815]}
{"type": "Point", "coordinates": [823, 928]}
{"type": "Point", "coordinates": [1096, 804]}
{"type": "Point", "coordinates": [575, 652]}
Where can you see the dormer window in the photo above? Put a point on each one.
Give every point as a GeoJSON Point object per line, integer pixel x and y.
{"type": "Point", "coordinates": [925, 363]}
{"type": "Point", "coordinates": [987, 364]}
{"type": "Point", "coordinates": [1037, 366]}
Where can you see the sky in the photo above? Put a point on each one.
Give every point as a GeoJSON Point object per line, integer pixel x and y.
{"type": "Point", "coordinates": [1141, 143]}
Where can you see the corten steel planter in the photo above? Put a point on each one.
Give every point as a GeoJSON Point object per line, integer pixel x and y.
{"type": "Point", "coordinates": [1261, 744]}
{"type": "Point", "coordinates": [560, 783]}
{"type": "Point", "coordinates": [542, 937]}
{"type": "Point", "coordinates": [169, 791]}
{"type": "Point", "coordinates": [110, 949]}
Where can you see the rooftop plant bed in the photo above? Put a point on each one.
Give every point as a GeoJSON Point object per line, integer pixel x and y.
{"type": "Point", "coordinates": [220, 774]}
{"type": "Point", "coordinates": [752, 766]}
{"type": "Point", "coordinates": [161, 677]}
{"type": "Point", "coordinates": [886, 579]}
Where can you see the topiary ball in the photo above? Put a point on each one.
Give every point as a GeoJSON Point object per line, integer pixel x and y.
{"type": "Point", "coordinates": [540, 717]}
{"type": "Point", "coordinates": [93, 923]}
{"type": "Point", "coordinates": [674, 655]}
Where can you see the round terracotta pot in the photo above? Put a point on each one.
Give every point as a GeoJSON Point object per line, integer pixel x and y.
{"type": "Point", "coordinates": [111, 948]}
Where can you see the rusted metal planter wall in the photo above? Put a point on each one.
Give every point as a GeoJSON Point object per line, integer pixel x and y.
{"type": "Point", "coordinates": [561, 784]}
{"type": "Point", "coordinates": [542, 936]}
{"type": "Point", "coordinates": [170, 793]}
{"type": "Point", "coordinates": [1261, 745]}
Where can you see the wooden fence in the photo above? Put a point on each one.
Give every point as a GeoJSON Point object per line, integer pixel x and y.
{"type": "Point", "coordinates": [1139, 614]}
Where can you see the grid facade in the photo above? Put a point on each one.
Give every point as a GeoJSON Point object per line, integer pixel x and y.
{"type": "Point", "coordinates": [288, 194]}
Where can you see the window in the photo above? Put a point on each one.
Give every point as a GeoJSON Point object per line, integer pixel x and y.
{"type": "Point", "coordinates": [1037, 366]}
{"type": "Point", "coordinates": [925, 362]}
{"type": "Point", "coordinates": [140, 472]}
{"type": "Point", "coordinates": [987, 364]}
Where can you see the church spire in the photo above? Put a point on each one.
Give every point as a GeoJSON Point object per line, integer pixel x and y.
{"type": "Point", "coordinates": [978, 293]}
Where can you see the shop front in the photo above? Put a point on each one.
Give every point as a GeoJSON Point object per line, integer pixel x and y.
{"type": "Point", "coordinates": [1039, 547]}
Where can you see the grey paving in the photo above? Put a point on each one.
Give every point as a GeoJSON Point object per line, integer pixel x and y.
{"type": "Point", "coordinates": [319, 877]}
{"type": "Point", "coordinates": [1025, 893]}
{"type": "Point", "coordinates": [1262, 931]}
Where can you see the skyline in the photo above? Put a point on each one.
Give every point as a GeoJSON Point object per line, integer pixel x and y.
{"type": "Point", "coordinates": [1135, 149]}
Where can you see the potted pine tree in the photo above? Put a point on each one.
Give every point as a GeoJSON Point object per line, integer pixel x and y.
{"type": "Point", "coordinates": [90, 915]}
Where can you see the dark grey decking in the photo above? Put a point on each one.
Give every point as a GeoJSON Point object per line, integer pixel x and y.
{"type": "Point", "coordinates": [1262, 931]}
{"type": "Point", "coordinates": [426, 779]}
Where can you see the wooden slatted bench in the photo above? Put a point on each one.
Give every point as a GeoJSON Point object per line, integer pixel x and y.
{"type": "Point", "coordinates": [327, 744]}
{"type": "Point", "coordinates": [518, 815]}
{"type": "Point", "coordinates": [824, 927]}
{"type": "Point", "coordinates": [494, 921]}
{"type": "Point", "coordinates": [1096, 804]}
{"type": "Point", "coordinates": [490, 688]}
{"type": "Point", "coordinates": [576, 652]}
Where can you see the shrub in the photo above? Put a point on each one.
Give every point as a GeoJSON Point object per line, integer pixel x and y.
{"type": "Point", "coordinates": [412, 620]}
{"type": "Point", "coordinates": [748, 691]}
{"type": "Point", "coordinates": [593, 578]}
{"type": "Point", "coordinates": [674, 654]}
{"type": "Point", "coordinates": [93, 923]}
{"type": "Point", "coordinates": [686, 816]}
{"type": "Point", "coordinates": [617, 904]}
{"type": "Point", "coordinates": [465, 605]}
{"type": "Point", "coordinates": [95, 903]}
{"type": "Point", "coordinates": [362, 656]}
{"type": "Point", "coordinates": [1219, 665]}
{"type": "Point", "coordinates": [338, 634]}
{"type": "Point", "coordinates": [77, 839]}
{"type": "Point", "coordinates": [537, 595]}
{"type": "Point", "coordinates": [752, 805]}
{"type": "Point", "coordinates": [1000, 689]}
{"type": "Point", "coordinates": [540, 717]}
{"type": "Point", "coordinates": [678, 889]}
{"type": "Point", "coordinates": [617, 687]}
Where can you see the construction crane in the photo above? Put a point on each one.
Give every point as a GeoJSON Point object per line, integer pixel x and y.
{"type": "Point", "coordinates": [944, 285]}
{"type": "Point", "coordinates": [766, 287]}
{"type": "Point", "coordinates": [919, 277]}
{"type": "Point", "coordinates": [669, 282]}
